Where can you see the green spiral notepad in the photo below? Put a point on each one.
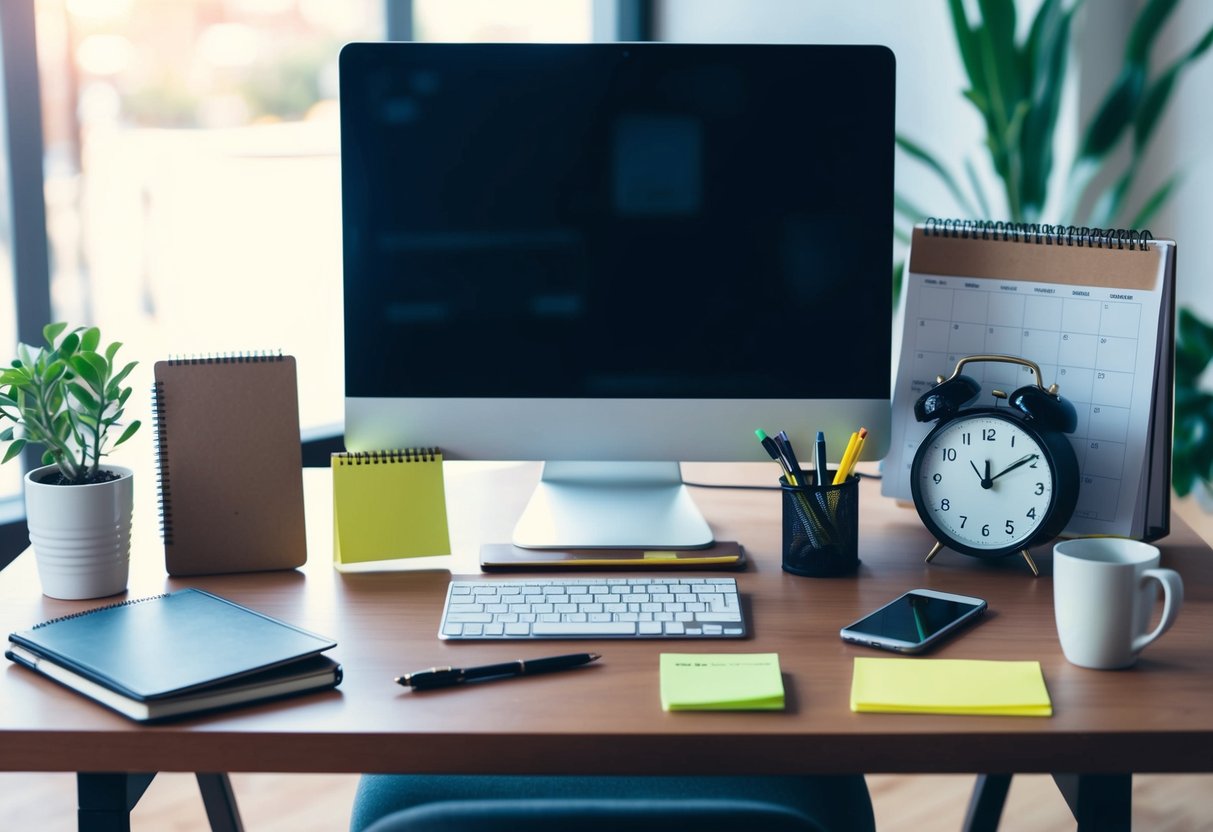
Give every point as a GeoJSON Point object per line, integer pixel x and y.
{"type": "Point", "coordinates": [388, 504]}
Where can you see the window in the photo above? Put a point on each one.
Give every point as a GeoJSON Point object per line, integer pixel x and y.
{"type": "Point", "coordinates": [192, 180]}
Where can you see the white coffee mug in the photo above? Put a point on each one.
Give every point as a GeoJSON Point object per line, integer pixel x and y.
{"type": "Point", "coordinates": [1104, 591]}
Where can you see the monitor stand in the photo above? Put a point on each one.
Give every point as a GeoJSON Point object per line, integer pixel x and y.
{"type": "Point", "coordinates": [612, 505]}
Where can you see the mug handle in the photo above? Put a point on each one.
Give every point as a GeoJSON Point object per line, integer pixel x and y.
{"type": "Point", "coordinates": [1172, 600]}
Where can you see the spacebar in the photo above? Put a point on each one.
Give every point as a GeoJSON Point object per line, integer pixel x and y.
{"type": "Point", "coordinates": [589, 628]}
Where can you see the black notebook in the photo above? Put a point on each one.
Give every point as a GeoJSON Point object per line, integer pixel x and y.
{"type": "Point", "coordinates": [174, 654]}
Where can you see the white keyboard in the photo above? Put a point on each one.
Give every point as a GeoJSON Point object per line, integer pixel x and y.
{"type": "Point", "coordinates": [654, 607]}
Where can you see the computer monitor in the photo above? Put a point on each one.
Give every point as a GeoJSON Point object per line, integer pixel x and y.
{"type": "Point", "coordinates": [615, 257]}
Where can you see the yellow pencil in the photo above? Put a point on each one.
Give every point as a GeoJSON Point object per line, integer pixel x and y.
{"type": "Point", "coordinates": [848, 457]}
{"type": "Point", "coordinates": [863, 434]}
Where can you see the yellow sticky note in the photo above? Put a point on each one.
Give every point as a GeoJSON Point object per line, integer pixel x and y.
{"type": "Point", "coordinates": [949, 686]}
{"type": "Point", "coordinates": [721, 682]}
{"type": "Point", "coordinates": [388, 505]}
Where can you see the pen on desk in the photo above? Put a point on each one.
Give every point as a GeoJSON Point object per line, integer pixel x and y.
{"type": "Point", "coordinates": [785, 444]}
{"type": "Point", "coordinates": [441, 677]}
{"type": "Point", "coordinates": [772, 449]}
{"type": "Point", "coordinates": [821, 461]}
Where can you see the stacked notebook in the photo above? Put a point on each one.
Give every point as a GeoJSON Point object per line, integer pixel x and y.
{"type": "Point", "coordinates": [176, 654]}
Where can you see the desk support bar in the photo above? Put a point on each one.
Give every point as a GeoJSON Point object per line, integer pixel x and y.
{"type": "Point", "coordinates": [985, 806]}
{"type": "Point", "coordinates": [1102, 802]}
{"type": "Point", "coordinates": [105, 801]}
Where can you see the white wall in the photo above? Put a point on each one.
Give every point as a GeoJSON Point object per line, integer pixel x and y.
{"type": "Point", "coordinates": [930, 108]}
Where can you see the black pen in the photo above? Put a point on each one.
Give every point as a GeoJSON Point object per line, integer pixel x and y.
{"type": "Point", "coordinates": [822, 460]}
{"type": "Point", "coordinates": [790, 455]}
{"type": "Point", "coordinates": [441, 677]}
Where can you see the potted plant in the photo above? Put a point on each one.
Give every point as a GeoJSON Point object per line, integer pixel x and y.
{"type": "Point", "coordinates": [65, 397]}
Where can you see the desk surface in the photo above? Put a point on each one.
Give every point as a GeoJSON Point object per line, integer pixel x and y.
{"type": "Point", "coordinates": [608, 718]}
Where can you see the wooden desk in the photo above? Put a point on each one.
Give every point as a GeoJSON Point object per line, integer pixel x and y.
{"type": "Point", "coordinates": [607, 718]}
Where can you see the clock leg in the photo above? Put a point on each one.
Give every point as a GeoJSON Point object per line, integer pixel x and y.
{"type": "Point", "coordinates": [1031, 563]}
{"type": "Point", "coordinates": [934, 551]}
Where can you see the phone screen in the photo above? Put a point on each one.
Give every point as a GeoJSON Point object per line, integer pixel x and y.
{"type": "Point", "coordinates": [913, 618]}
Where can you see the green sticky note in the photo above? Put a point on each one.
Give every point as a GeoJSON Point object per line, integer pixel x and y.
{"type": "Point", "coordinates": [949, 686]}
{"type": "Point", "coordinates": [721, 682]}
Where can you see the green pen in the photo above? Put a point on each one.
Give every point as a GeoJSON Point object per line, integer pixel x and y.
{"type": "Point", "coordinates": [773, 449]}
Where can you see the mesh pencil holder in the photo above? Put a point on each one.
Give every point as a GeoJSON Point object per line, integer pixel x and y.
{"type": "Point", "coordinates": [821, 528]}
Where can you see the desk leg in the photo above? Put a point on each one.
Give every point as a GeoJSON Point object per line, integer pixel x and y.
{"type": "Point", "coordinates": [220, 802]}
{"type": "Point", "coordinates": [985, 806]}
{"type": "Point", "coordinates": [104, 800]}
{"type": "Point", "coordinates": [1102, 802]}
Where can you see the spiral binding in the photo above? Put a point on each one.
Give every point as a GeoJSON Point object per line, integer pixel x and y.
{"type": "Point", "coordinates": [387, 457]}
{"type": "Point", "coordinates": [1039, 234]}
{"type": "Point", "coordinates": [160, 448]}
{"type": "Point", "coordinates": [251, 357]}
{"type": "Point", "coordinates": [83, 613]}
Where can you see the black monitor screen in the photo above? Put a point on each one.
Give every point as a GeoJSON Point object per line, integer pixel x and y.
{"type": "Point", "coordinates": [617, 220]}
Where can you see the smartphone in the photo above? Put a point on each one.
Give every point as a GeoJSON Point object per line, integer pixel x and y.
{"type": "Point", "coordinates": [915, 622]}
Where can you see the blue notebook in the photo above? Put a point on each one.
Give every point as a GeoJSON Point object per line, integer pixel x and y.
{"type": "Point", "coordinates": [174, 654]}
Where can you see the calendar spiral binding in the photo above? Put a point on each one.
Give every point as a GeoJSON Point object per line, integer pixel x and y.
{"type": "Point", "coordinates": [387, 457]}
{"type": "Point", "coordinates": [1040, 233]}
{"type": "Point", "coordinates": [250, 357]}
{"type": "Point", "coordinates": [127, 603]}
{"type": "Point", "coordinates": [160, 449]}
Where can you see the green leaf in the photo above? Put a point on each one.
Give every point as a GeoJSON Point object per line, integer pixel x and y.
{"type": "Point", "coordinates": [966, 41]}
{"type": "Point", "coordinates": [7, 434]}
{"type": "Point", "coordinates": [85, 369]}
{"type": "Point", "coordinates": [15, 447]}
{"type": "Point", "coordinates": [123, 396]}
{"type": "Point", "coordinates": [90, 338]}
{"type": "Point", "coordinates": [128, 433]}
{"type": "Point", "coordinates": [921, 154]}
{"type": "Point", "coordinates": [123, 373]}
{"type": "Point", "coordinates": [1157, 95]}
{"type": "Point", "coordinates": [52, 331]}
{"type": "Point", "coordinates": [83, 396]}
{"type": "Point", "coordinates": [112, 350]}
{"type": "Point", "coordinates": [1114, 114]}
{"type": "Point", "coordinates": [69, 344]}
{"type": "Point", "coordinates": [49, 457]}
{"type": "Point", "coordinates": [1146, 27]}
{"type": "Point", "coordinates": [1048, 50]}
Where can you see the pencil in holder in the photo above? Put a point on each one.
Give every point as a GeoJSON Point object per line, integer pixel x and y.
{"type": "Point", "coordinates": [821, 528]}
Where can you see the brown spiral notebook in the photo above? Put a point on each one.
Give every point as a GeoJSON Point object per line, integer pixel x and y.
{"type": "Point", "coordinates": [230, 464]}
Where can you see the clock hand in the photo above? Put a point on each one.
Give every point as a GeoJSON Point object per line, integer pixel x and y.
{"type": "Point", "coordinates": [1023, 461]}
{"type": "Point", "coordinates": [986, 482]}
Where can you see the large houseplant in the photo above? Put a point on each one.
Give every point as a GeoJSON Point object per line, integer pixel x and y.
{"type": "Point", "coordinates": [66, 397]}
{"type": "Point", "coordinates": [1016, 86]}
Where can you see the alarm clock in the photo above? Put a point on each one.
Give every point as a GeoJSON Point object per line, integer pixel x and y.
{"type": "Point", "coordinates": [992, 481]}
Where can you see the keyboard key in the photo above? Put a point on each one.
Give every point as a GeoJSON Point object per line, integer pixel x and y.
{"type": "Point", "coordinates": [589, 628]}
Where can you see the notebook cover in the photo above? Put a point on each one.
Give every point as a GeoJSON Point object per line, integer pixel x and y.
{"type": "Point", "coordinates": [306, 675]}
{"type": "Point", "coordinates": [723, 554]}
{"type": "Point", "coordinates": [231, 464]}
{"type": "Point", "coordinates": [169, 645]}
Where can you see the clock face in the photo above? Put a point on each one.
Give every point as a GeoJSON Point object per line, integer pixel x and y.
{"type": "Point", "coordinates": [983, 485]}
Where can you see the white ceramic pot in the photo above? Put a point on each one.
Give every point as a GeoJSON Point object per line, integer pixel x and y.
{"type": "Point", "coordinates": [81, 533]}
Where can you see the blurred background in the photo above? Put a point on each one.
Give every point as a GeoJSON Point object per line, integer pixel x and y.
{"type": "Point", "coordinates": [189, 170]}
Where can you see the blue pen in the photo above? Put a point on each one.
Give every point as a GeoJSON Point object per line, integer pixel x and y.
{"type": "Point", "coordinates": [821, 458]}
{"type": "Point", "coordinates": [785, 445]}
